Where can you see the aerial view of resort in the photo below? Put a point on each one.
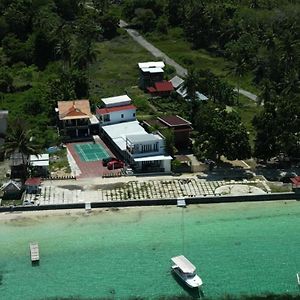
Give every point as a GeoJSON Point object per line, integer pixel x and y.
{"type": "Point", "coordinates": [149, 149]}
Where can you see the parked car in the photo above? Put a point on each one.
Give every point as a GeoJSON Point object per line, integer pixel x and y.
{"type": "Point", "coordinates": [105, 161]}
{"type": "Point", "coordinates": [115, 164]}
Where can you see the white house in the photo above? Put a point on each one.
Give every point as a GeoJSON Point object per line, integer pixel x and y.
{"type": "Point", "coordinates": [146, 152]}
{"type": "Point", "coordinates": [40, 164]}
{"type": "Point", "coordinates": [116, 101]}
{"type": "Point", "coordinates": [150, 73]}
{"type": "Point", "coordinates": [118, 114]}
{"type": "Point", "coordinates": [116, 110]}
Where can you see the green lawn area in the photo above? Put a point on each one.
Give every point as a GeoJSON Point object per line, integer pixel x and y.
{"type": "Point", "coordinates": [247, 110]}
{"type": "Point", "coordinates": [115, 72]}
{"type": "Point", "coordinates": [175, 46]}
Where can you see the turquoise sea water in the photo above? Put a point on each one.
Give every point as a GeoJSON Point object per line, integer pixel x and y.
{"type": "Point", "coordinates": [247, 248]}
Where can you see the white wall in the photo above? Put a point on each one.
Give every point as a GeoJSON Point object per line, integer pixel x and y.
{"type": "Point", "coordinates": [167, 165]}
{"type": "Point", "coordinates": [161, 149]}
{"type": "Point", "coordinates": [116, 116]}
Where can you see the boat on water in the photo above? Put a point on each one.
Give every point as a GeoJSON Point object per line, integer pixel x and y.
{"type": "Point", "coordinates": [298, 278]}
{"type": "Point", "coordinates": [186, 271]}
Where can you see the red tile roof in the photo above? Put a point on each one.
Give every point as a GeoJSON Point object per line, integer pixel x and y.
{"type": "Point", "coordinates": [76, 109]}
{"type": "Point", "coordinates": [151, 89]}
{"type": "Point", "coordinates": [296, 180]}
{"type": "Point", "coordinates": [164, 86]}
{"type": "Point", "coordinates": [33, 181]}
{"type": "Point", "coordinates": [107, 110]}
{"type": "Point", "coordinates": [174, 121]}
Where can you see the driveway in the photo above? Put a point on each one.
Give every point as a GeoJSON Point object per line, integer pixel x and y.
{"type": "Point", "coordinates": [181, 71]}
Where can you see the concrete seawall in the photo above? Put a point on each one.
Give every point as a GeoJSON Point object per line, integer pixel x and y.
{"type": "Point", "coordinates": [159, 202]}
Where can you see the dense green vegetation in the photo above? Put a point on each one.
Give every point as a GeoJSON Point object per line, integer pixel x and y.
{"type": "Point", "coordinates": [254, 44]}
{"type": "Point", "coordinates": [47, 48]}
{"type": "Point", "coordinates": [60, 50]}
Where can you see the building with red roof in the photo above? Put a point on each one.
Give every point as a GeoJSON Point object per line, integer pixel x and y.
{"type": "Point", "coordinates": [162, 88]}
{"type": "Point", "coordinates": [113, 115]}
{"type": "Point", "coordinates": [33, 185]}
{"type": "Point", "coordinates": [180, 127]}
{"type": "Point", "coordinates": [116, 110]}
{"type": "Point", "coordinates": [75, 119]}
{"type": "Point", "coordinates": [296, 184]}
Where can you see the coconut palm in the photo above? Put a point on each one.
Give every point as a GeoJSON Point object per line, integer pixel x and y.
{"type": "Point", "coordinates": [19, 139]}
{"type": "Point", "coordinates": [64, 44]}
{"type": "Point", "coordinates": [238, 69]}
{"type": "Point", "coordinates": [85, 54]}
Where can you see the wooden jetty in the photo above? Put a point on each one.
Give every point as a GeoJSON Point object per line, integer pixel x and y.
{"type": "Point", "coordinates": [34, 252]}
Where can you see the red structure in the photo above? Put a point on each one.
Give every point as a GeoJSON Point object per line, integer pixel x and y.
{"type": "Point", "coordinates": [296, 181]}
{"type": "Point", "coordinates": [180, 127]}
{"type": "Point", "coordinates": [162, 88]}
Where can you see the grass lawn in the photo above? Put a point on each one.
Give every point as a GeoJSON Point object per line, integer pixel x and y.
{"type": "Point", "coordinates": [174, 45]}
{"type": "Point", "coordinates": [247, 109]}
{"type": "Point", "coordinates": [115, 72]}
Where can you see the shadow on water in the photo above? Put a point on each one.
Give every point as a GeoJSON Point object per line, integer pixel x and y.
{"type": "Point", "coordinates": [35, 263]}
{"type": "Point", "coordinates": [194, 293]}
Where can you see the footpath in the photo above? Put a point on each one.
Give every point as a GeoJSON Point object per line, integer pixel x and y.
{"type": "Point", "coordinates": [181, 71]}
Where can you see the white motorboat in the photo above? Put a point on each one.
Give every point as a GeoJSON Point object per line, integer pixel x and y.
{"type": "Point", "coordinates": [186, 271]}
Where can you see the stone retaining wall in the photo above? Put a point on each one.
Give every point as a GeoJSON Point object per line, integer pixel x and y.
{"type": "Point", "coordinates": [159, 202]}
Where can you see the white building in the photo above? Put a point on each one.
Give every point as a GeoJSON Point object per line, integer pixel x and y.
{"type": "Point", "coordinates": [116, 101]}
{"type": "Point", "coordinates": [116, 110]}
{"type": "Point", "coordinates": [113, 115]}
{"type": "Point", "coordinates": [40, 164]}
{"type": "Point", "coordinates": [151, 64]}
{"type": "Point", "coordinates": [146, 152]}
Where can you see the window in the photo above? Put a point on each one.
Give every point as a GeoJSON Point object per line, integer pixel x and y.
{"type": "Point", "coordinates": [146, 148]}
{"type": "Point", "coordinates": [133, 114]}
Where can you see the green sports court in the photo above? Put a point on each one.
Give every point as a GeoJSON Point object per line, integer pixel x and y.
{"type": "Point", "coordinates": [91, 152]}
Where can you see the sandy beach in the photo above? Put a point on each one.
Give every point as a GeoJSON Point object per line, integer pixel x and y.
{"type": "Point", "coordinates": [96, 211]}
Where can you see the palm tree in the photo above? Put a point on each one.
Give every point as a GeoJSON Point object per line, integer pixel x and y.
{"type": "Point", "coordinates": [19, 139]}
{"type": "Point", "coordinates": [191, 85]}
{"type": "Point", "coordinates": [238, 69]}
{"type": "Point", "coordinates": [64, 45]}
{"type": "Point", "coordinates": [86, 53]}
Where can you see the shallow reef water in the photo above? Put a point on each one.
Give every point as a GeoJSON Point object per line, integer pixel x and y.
{"type": "Point", "coordinates": [238, 249]}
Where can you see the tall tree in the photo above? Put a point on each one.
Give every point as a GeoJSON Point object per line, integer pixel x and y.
{"type": "Point", "coordinates": [20, 139]}
{"type": "Point", "coordinates": [220, 133]}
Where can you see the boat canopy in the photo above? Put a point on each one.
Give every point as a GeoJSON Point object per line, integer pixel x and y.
{"type": "Point", "coordinates": [184, 264]}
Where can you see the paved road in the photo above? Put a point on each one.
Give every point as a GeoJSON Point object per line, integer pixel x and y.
{"type": "Point", "coordinates": [247, 94]}
{"type": "Point", "coordinates": [153, 50]}
{"type": "Point", "coordinates": [181, 71]}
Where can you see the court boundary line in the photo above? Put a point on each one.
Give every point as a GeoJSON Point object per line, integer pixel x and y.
{"type": "Point", "coordinates": [98, 153]}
